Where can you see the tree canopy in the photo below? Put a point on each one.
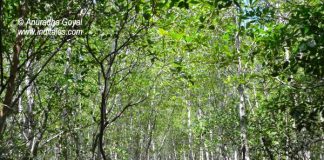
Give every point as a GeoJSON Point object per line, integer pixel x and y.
{"type": "Point", "coordinates": [168, 79]}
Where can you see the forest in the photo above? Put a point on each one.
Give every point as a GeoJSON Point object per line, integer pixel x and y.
{"type": "Point", "coordinates": [162, 79]}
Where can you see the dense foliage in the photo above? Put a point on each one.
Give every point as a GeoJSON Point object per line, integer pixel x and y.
{"type": "Point", "coordinates": [169, 79]}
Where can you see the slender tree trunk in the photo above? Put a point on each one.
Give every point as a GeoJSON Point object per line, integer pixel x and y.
{"type": "Point", "coordinates": [130, 147]}
{"type": "Point", "coordinates": [202, 139]}
{"type": "Point", "coordinates": [153, 149]}
{"type": "Point", "coordinates": [242, 109]}
{"type": "Point", "coordinates": [322, 144]}
{"type": "Point", "coordinates": [235, 155]}
{"type": "Point", "coordinates": [184, 155]}
{"type": "Point", "coordinates": [29, 119]}
{"type": "Point", "coordinates": [211, 139]}
{"type": "Point", "coordinates": [106, 73]}
{"type": "Point", "coordinates": [103, 109]}
{"type": "Point", "coordinates": [243, 124]}
{"type": "Point", "coordinates": [174, 149]}
{"type": "Point", "coordinates": [151, 126]}
{"type": "Point", "coordinates": [190, 136]}
{"type": "Point", "coordinates": [7, 108]}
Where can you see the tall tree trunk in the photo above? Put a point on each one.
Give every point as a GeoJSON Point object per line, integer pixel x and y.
{"type": "Point", "coordinates": [29, 119]}
{"type": "Point", "coordinates": [322, 144]}
{"type": "Point", "coordinates": [190, 136]}
{"type": "Point", "coordinates": [243, 123]}
{"type": "Point", "coordinates": [7, 108]}
{"type": "Point", "coordinates": [211, 139]}
{"type": "Point", "coordinates": [151, 127]}
{"type": "Point", "coordinates": [153, 149]}
{"type": "Point", "coordinates": [174, 148]}
{"type": "Point", "coordinates": [242, 109]}
{"type": "Point", "coordinates": [184, 155]}
{"type": "Point", "coordinates": [202, 139]}
{"type": "Point", "coordinates": [106, 70]}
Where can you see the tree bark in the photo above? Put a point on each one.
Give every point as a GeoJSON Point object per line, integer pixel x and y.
{"type": "Point", "coordinates": [242, 109]}
{"type": "Point", "coordinates": [7, 109]}
{"type": "Point", "coordinates": [190, 136]}
{"type": "Point", "coordinates": [29, 119]}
